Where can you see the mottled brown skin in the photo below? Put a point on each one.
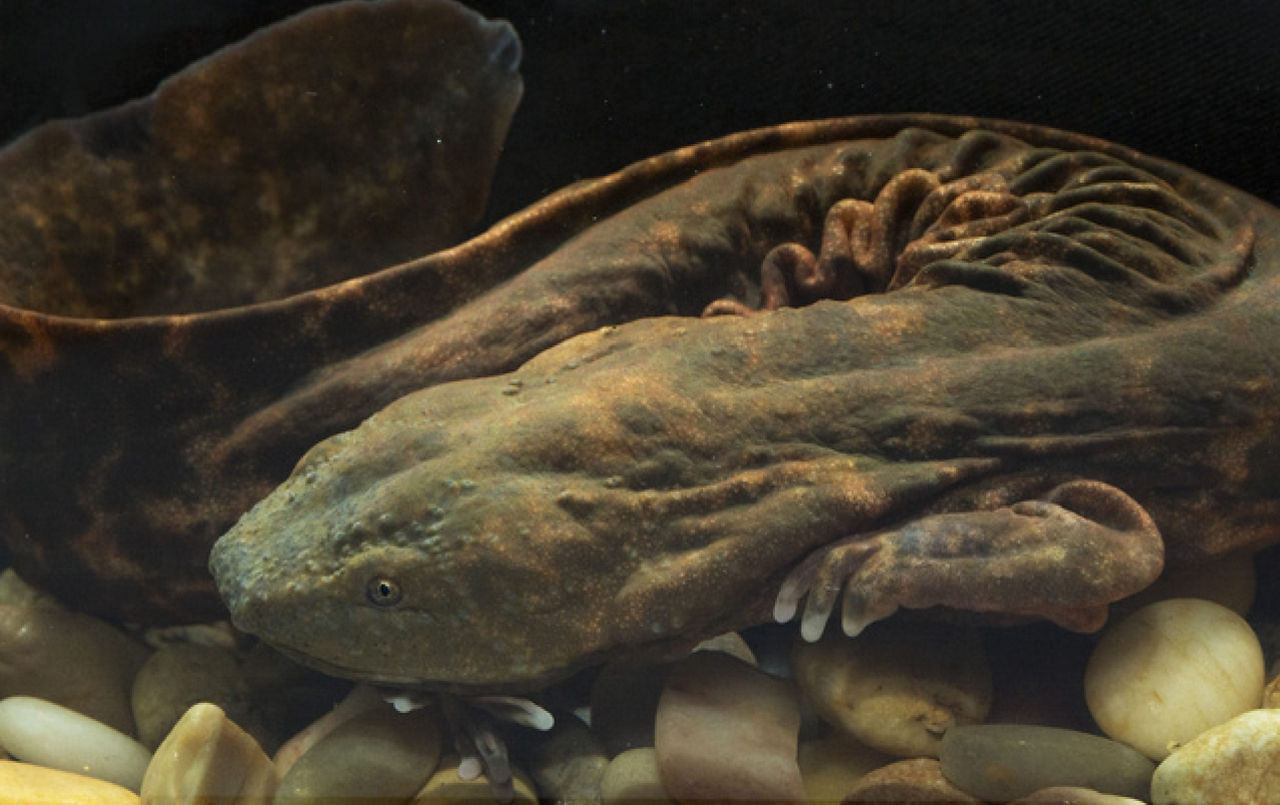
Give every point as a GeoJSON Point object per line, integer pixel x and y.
{"type": "Point", "coordinates": [699, 460]}
{"type": "Point", "coordinates": [1057, 372]}
{"type": "Point", "coordinates": [289, 162]}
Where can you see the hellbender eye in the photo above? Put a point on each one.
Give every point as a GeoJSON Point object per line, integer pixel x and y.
{"type": "Point", "coordinates": [383, 592]}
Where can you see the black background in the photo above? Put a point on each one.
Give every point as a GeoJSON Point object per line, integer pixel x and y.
{"type": "Point", "coordinates": [611, 81]}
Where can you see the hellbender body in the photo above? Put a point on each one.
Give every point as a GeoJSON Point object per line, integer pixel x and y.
{"type": "Point", "coordinates": [1049, 367]}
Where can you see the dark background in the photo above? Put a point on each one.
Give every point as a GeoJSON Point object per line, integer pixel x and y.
{"type": "Point", "coordinates": [610, 81]}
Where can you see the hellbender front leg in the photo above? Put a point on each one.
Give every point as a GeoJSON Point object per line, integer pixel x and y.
{"type": "Point", "coordinates": [1064, 557]}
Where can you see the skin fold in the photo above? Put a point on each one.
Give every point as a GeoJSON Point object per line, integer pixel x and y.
{"type": "Point", "coordinates": [172, 266]}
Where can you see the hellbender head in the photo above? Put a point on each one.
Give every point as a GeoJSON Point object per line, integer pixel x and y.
{"type": "Point", "coordinates": [396, 554]}
{"type": "Point", "coordinates": [501, 532]}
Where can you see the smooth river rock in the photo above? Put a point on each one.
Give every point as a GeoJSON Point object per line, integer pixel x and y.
{"type": "Point", "coordinates": [568, 763]}
{"type": "Point", "coordinates": [179, 676]}
{"type": "Point", "coordinates": [1005, 761]}
{"type": "Point", "coordinates": [725, 731]}
{"type": "Point", "coordinates": [48, 734]}
{"type": "Point", "coordinates": [897, 687]}
{"type": "Point", "coordinates": [207, 757]}
{"type": "Point", "coordinates": [1170, 671]}
{"type": "Point", "coordinates": [633, 776]}
{"type": "Point", "coordinates": [378, 753]}
{"type": "Point", "coordinates": [1235, 762]}
{"type": "Point", "coordinates": [75, 660]}
{"type": "Point", "coordinates": [26, 784]}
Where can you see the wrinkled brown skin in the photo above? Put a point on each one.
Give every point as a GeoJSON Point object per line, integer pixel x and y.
{"type": "Point", "coordinates": [1044, 406]}
{"type": "Point", "coordinates": [291, 161]}
{"type": "Point", "coordinates": [676, 470]}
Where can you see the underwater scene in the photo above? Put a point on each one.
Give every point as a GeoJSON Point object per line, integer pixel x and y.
{"type": "Point", "coordinates": [412, 401]}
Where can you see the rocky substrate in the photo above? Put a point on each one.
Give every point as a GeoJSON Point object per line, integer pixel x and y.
{"type": "Point", "coordinates": [1168, 704]}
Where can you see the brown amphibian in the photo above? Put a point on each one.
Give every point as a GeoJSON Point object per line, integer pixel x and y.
{"type": "Point", "coordinates": [965, 364]}
{"type": "Point", "coordinates": [172, 267]}
{"type": "Point", "coordinates": [879, 362]}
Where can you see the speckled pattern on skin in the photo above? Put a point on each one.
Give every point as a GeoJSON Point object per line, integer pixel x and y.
{"type": "Point", "coordinates": [146, 253]}
{"type": "Point", "coordinates": [956, 362]}
{"type": "Point", "coordinates": [1056, 373]}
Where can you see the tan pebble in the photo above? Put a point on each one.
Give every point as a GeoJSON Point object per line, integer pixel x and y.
{"type": "Point", "coordinates": [1234, 762]}
{"type": "Point", "coordinates": [377, 753]}
{"type": "Point", "coordinates": [1170, 671]}
{"type": "Point", "coordinates": [730, 643]}
{"type": "Point", "coordinates": [446, 787]}
{"type": "Point", "coordinates": [724, 730]}
{"type": "Point", "coordinates": [1072, 795]}
{"type": "Point", "coordinates": [915, 780]}
{"type": "Point", "coordinates": [26, 784]}
{"type": "Point", "coordinates": [48, 734]}
{"type": "Point", "coordinates": [833, 766]}
{"type": "Point", "coordinates": [1230, 582]}
{"type": "Point", "coordinates": [178, 676]}
{"type": "Point", "coordinates": [897, 687]}
{"type": "Point", "coordinates": [75, 660]}
{"type": "Point", "coordinates": [633, 776]}
{"type": "Point", "coordinates": [205, 757]}
{"type": "Point", "coordinates": [568, 763]}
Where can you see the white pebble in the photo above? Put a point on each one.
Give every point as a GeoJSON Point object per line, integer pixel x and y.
{"type": "Point", "coordinates": [47, 734]}
{"type": "Point", "coordinates": [1172, 670]}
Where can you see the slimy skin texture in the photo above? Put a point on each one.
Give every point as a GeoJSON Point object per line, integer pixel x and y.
{"type": "Point", "coordinates": [1046, 368]}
